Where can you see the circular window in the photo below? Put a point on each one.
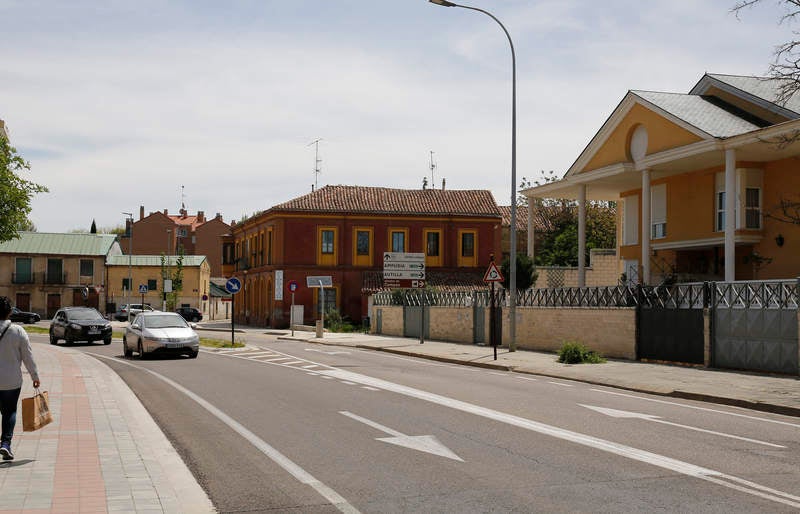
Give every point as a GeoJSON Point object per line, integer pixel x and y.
{"type": "Point", "coordinates": [638, 146]}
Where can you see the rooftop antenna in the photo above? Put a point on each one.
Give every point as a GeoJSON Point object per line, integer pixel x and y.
{"type": "Point", "coordinates": [433, 168]}
{"type": "Point", "coordinates": [317, 160]}
{"type": "Point", "coordinates": [183, 199]}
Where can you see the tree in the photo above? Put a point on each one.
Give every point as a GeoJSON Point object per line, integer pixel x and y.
{"type": "Point", "coordinates": [176, 277]}
{"type": "Point", "coordinates": [786, 63]}
{"type": "Point", "coordinates": [93, 230]}
{"type": "Point", "coordinates": [26, 226]}
{"type": "Point", "coordinates": [556, 222]}
{"type": "Point", "coordinates": [526, 272]}
{"type": "Point", "coordinates": [15, 192]}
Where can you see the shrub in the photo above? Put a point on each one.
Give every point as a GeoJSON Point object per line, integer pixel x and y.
{"type": "Point", "coordinates": [573, 352]}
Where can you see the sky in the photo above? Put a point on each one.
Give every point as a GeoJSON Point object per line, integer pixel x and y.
{"type": "Point", "coordinates": [213, 105]}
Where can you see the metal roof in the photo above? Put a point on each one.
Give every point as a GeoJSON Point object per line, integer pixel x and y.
{"type": "Point", "coordinates": [189, 261]}
{"type": "Point", "coordinates": [60, 244]}
{"type": "Point", "coordinates": [699, 112]}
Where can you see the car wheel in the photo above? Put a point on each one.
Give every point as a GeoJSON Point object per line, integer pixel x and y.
{"type": "Point", "coordinates": [107, 341]}
{"type": "Point", "coordinates": [127, 351]}
{"type": "Point", "coordinates": [140, 350]}
{"type": "Point", "coordinates": [193, 355]}
{"type": "Point", "coordinates": [195, 319]}
{"type": "Point", "coordinates": [53, 339]}
{"type": "Point", "coordinates": [31, 320]}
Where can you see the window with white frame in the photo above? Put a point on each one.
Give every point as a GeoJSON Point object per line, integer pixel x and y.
{"type": "Point", "coordinates": [747, 203]}
{"type": "Point", "coordinates": [658, 211]}
{"type": "Point", "coordinates": [630, 220]}
{"type": "Point", "coordinates": [720, 211]}
{"type": "Point", "coordinates": [752, 208]}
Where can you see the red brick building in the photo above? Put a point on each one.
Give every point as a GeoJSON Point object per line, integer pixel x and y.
{"type": "Point", "coordinates": [161, 232]}
{"type": "Point", "coordinates": [342, 232]}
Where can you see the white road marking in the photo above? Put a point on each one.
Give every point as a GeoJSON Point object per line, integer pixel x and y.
{"type": "Point", "coordinates": [528, 378]}
{"type": "Point", "coordinates": [310, 366]}
{"type": "Point", "coordinates": [622, 450]}
{"type": "Point", "coordinates": [293, 362]}
{"type": "Point", "coordinates": [370, 388]}
{"type": "Point", "coordinates": [614, 413]}
{"type": "Point", "coordinates": [699, 408]}
{"type": "Point", "coordinates": [276, 456]}
{"type": "Point", "coordinates": [559, 383]}
{"type": "Point", "coordinates": [423, 443]}
{"type": "Point", "coordinates": [498, 373]}
{"type": "Point", "coordinates": [348, 383]}
{"type": "Point", "coordinates": [253, 354]}
{"type": "Point", "coordinates": [326, 352]}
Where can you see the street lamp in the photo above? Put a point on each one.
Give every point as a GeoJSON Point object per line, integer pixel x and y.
{"type": "Point", "coordinates": [130, 253]}
{"type": "Point", "coordinates": [512, 346]}
{"type": "Point", "coordinates": [166, 272]}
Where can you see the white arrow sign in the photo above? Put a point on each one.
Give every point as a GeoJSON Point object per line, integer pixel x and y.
{"type": "Point", "coordinates": [422, 443]}
{"type": "Point", "coordinates": [614, 413]}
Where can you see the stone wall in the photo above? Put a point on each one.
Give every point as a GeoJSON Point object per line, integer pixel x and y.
{"type": "Point", "coordinates": [391, 320]}
{"type": "Point", "coordinates": [451, 324]}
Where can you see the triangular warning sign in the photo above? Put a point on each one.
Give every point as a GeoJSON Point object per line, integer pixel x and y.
{"type": "Point", "coordinates": [493, 274]}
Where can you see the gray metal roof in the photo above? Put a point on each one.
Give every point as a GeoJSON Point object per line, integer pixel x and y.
{"type": "Point", "coordinates": [699, 112]}
{"type": "Point", "coordinates": [762, 87]}
{"type": "Point", "coordinates": [42, 243]}
{"type": "Point", "coordinates": [189, 261]}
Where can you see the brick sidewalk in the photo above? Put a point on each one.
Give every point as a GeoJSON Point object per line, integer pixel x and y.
{"type": "Point", "coordinates": [95, 456]}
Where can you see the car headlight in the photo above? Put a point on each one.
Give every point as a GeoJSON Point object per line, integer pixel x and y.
{"type": "Point", "coordinates": [74, 326]}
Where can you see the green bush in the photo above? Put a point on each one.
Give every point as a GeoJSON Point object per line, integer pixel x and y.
{"type": "Point", "coordinates": [573, 352]}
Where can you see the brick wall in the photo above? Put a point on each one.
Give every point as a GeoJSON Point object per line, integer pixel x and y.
{"type": "Point", "coordinates": [391, 321]}
{"type": "Point", "coordinates": [451, 324]}
{"type": "Point", "coordinates": [603, 270]}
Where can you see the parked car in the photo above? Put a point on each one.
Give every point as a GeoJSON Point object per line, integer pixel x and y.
{"type": "Point", "coordinates": [23, 316]}
{"type": "Point", "coordinates": [190, 314]}
{"type": "Point", "coordinates": [79, 324]}
{"type": "Point", "coordinates": [135, 308]}
{"type": "Point", "coordinates": [160, 333]}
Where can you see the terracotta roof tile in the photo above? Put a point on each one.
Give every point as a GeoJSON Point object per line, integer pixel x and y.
{"type": "Point", "coordinates": [381, 200]}
{"type": "Point", "coordinates": [522, 216]}
{"type": "Point", "coordinates": [446, 281]}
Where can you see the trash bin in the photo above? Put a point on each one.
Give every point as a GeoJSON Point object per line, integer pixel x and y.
{"type": "Point", "coordinates": [365, 324]}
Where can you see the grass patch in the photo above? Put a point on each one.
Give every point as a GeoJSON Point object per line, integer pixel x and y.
{"type": "Point", "coordinates": [573, 352]}
{"type": "Point", "coordinates": [33, 329]}
{"type": "Point", "coordinates": [219, 343]}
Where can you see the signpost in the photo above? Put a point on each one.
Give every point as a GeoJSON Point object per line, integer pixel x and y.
{"type": "Point", "coordinates": [407, 270]}
{"type": "Point", "coordinates": [233, 286]}
{"type": "Point", "coordinates": [321, 282]}
{"type": "Point", "coordinates": [292, 285]}
{"type": "Point", "coordinates": [493, 275]}
{"type": "Point", "coordinates": [142, 291]}
{"type": "Point", "coordinates": [403, 269]}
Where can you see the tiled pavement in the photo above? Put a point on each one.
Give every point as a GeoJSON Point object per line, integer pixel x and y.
{"type": "Point", "coordinates": [102, 454]}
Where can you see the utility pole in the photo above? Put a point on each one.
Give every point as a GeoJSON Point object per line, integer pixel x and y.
{"type": "Point", "coordinates": [317, 160]}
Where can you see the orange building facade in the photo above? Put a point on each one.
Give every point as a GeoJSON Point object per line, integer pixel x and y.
{"type": "Point", "coordinates": [699, 180]}
{"type": "Point", "coordinates": [343, 232]}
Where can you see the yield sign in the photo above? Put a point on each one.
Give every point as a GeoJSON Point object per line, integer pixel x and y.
{"type": "Point", "coordinates": [493, 274]}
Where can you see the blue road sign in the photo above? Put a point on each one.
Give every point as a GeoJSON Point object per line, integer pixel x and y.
{"type": "Point", "coordinates": [233, 285]}
{"type": "Point", "coordinates": [142, 288]}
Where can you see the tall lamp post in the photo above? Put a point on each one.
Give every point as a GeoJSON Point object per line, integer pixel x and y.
{"type": "Point", "coordinates": [130, 253]}
{"type": "Point", "coordinates": [512, 346]}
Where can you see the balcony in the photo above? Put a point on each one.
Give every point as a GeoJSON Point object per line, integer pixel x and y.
{"type": "Point", "coordinates": [54, 278]}
{"type": "Point", "coordinates": [22, 278]}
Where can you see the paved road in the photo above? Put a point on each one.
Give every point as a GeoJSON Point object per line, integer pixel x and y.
{"type": "Point", "coordinates": [295, 426]}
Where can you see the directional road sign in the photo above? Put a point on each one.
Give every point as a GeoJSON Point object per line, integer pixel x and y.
{"type": "Point", "coordinates": [327, 281]}
{"type": "Point", "coordinates": [233, 285]}
{"type": "Point", "coordinates": [403, 257]}
{"type": "Point", "coordinates": [403, 269]}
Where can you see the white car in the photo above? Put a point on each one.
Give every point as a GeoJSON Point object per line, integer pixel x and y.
{"type": "Point", "coordinates": [160, 333]}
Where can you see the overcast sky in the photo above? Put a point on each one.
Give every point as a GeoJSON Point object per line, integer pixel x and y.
{"type": "Point", "coordinates": [118, 104]}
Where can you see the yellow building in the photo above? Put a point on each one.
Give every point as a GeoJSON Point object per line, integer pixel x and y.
{"type": "Point", "coordinates": [670, 161]}
{"type": "Point", "coordinates": [145, 273]}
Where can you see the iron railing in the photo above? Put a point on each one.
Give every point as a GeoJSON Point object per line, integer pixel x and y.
{"type": "Point", "coordinates": [765, 294]}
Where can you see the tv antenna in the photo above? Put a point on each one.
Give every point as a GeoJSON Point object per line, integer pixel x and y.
{"type": "Point", "coordinates": [433, 168]}
{"type": "Point", "coordinates": [317, 160]}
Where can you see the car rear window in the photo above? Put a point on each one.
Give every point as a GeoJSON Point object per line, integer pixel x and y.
{"type": "Point", "coordinates": [164, 321]}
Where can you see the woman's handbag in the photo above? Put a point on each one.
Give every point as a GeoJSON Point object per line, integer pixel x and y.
{"type": "Point", "coordinates": [36, 412]}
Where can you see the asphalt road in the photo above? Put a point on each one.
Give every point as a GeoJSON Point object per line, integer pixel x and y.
{"type": "Point", "coordinates": [309, 428]}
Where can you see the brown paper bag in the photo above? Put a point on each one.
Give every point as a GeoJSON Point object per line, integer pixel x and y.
{"type": "Point", "coordinates": [36, 412]}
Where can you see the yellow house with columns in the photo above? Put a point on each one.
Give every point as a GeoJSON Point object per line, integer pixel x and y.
{"type": "Point", "coordinates": [707, 183]}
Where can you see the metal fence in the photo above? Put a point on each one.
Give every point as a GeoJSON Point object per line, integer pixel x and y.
{"type": "Point", "coordinates": [765, 294]}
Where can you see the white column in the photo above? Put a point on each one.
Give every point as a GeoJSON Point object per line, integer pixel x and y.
{"type": "Point", "coordinates": [730, 215]}
{"type": "Point", "coordinates": [582, 235]}
{"type": "Point", "coordinates": [531, 228]}
{"type": "Point", "coordinates": [645, 278]}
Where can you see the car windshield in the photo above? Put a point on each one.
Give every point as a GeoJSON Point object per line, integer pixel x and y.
{"type": "Point", "coordinates": [85, 315]}
{"type": "Point", "coordinates": [164, 321]}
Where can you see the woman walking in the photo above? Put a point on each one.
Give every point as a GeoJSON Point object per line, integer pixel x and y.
{"type": "Point", "coordinates": [15, 349]}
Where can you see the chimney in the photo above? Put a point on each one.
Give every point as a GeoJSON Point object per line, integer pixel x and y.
{"type": "Point", "coordinates": [166, 212]}
{"type": "Point", "coordinates": [183, 212]}
{"type": "Point", "coordinates": [201, 217]}
{"type": "Point", "coordinates": [141, 212]}
{"type": "Point", "coordinates": [218, 216]}
{"type": "Point", "coordinates": [442, 184]}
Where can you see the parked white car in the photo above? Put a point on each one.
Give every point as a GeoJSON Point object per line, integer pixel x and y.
{"type": "Point", "coordinates": [160, 333]}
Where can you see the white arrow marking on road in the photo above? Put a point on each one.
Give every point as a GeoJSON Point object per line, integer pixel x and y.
{"type": "Point", "coordinates": [423, 443]}
{"type": "Point", "coordinates": [614, 413]}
